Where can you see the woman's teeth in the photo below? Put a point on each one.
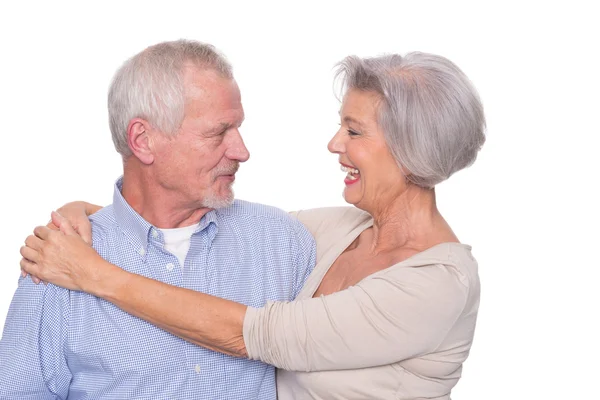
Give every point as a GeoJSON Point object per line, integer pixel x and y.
{"type": "Point", "coordinates": [349, 170]}
{"type": "Point", "coordinates": [352, 172]}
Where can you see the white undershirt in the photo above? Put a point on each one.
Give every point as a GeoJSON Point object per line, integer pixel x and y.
{"type": "Point", "coordinates": [177, 241]}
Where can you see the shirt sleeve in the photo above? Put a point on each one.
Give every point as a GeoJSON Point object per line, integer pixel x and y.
{"type": "Point", "coordinates": [32, 361]}
{"type": "Point", "coordinates": [390, 317]}
{"type": "Point", "coordinates": [305, 255]}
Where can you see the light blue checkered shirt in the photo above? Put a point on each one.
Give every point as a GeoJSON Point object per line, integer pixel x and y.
{"type": "Point", "coordinates": [59, 344]}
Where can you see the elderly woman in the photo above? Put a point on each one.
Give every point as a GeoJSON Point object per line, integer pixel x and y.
{"type": "Point", "coordinates": [389, 311]}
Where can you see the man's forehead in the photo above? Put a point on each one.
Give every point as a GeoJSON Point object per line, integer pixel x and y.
{"type": "Point", "coordinates": [203, 76]}
{"type": "Point", "coordinates": [208, 88]}
{"type": "Point", "coordinates": [214, 120]}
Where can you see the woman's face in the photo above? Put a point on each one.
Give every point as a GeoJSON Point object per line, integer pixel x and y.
{"type": "Point", "coordinates": [373, 178]}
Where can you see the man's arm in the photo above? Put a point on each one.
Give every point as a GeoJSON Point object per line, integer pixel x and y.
{"type": "Point", "coordinates": [32, 362]}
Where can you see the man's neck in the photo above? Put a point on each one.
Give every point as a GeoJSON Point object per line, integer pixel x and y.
{"type": "Point", "coordinates": [162, 208]}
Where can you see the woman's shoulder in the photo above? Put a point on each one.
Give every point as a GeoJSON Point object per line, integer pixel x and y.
{"type": "Point", "coordinates": [331, 220]}
{"type": "Point", "coordinates": [448, 262]}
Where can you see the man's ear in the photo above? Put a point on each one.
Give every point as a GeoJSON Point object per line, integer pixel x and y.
{"type": "Point", "coordinates": [139, 140]}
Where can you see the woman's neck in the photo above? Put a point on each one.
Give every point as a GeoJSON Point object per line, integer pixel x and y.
{"type": "Point", "coordinates": [410, 221]}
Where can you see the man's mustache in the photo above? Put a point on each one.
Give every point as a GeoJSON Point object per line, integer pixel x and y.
{"type": "Point", "coordinates": [229, 169]}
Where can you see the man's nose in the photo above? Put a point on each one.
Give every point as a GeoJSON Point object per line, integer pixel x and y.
{"type": "Point", "coordinates": [236, 149]}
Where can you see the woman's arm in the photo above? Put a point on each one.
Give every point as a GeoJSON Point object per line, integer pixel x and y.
{"type": "Point", "coordinates": [401, 314]}
{"type": "Point", "coordinates": [63, 258]}
{"type": "Point", "coordinates": [199, 318]}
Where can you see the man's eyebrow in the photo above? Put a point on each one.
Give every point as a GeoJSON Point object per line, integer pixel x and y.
{"type": "Point", "coordinates": [222, 126]}
{"type": "Point", "coordinates": [215, 129]}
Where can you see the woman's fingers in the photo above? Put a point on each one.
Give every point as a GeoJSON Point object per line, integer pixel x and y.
{"type": "Point", "coordinates": [32, 255]}
{"type": "Point", "coordinates": [56, 256]}
{"type": "Point", "coordinates": [62, 223]}
{"type": "Point", "coordinates": [42, 232]}
{"type": "Point", "coordinates": [85, 231]}
{"type": "Point", "coordinates": [76, 213]}
{"type": "Point", "coordinates": [29, 254]}
{"type": "Point", "coordinates": [34, 242]}
{"type": "Point", "coordinates": [30, 268]}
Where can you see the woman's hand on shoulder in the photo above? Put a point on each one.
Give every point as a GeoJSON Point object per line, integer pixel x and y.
{"type": "Point", "coordinates": [57, 256]}
{"type": "Point", "coordinates": [76, 213]}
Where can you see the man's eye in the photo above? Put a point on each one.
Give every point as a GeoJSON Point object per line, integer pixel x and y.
{"type": "Point", "coordinates": [352, 133]}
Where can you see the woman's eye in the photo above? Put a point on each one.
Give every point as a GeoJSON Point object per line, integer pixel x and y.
{"type": "Point", "coordinates": [352, 133]}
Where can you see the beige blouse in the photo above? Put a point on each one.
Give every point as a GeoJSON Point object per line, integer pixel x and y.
{"type": "Point", "coordinates": [400, 333]}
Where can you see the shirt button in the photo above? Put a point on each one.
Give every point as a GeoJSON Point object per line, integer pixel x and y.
{"type": "Point", "coordinates": [170, 266]}
{"type": "Point", "coordinates": [197, 368]}
{"type": "Point", "coordinates": [154, 233]}
{"type": "Point", "coordinates": [142, 251]}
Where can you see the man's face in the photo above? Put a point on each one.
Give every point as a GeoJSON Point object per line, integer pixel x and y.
{"type": "Point", "coordinates": [197, 166]}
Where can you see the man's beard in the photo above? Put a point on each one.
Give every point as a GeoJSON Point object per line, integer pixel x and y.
{"type": "Point", "coordinates": [212, 200]}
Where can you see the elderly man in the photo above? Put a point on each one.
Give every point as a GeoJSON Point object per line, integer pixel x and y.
{"type": "Point", "coordinates": [175, 113]}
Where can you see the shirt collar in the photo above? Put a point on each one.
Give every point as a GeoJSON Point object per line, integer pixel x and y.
{"type": "Point", "coordinates": [139, 231]}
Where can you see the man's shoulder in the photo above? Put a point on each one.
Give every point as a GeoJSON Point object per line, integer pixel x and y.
{"type": "Point", "coordinates": [267, 218]}
{"type": "Point", "coordinates": [103, 221]}
{"type": "Point", "coordinates": [105, 229]}
{"type": "Point", "coordinates": [104, 217]}
{"type": "Point", "coordinates": [247, 209]}
{"type": "Point", "coordinates": [30, 301]}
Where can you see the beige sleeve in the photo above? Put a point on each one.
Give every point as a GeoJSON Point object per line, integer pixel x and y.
{"type": "Point", "coordinates": [316, 219]}
{"type": "Point", "coordinates": [388, 318]}
{"type": "Point", "coordinates": [329, 224]}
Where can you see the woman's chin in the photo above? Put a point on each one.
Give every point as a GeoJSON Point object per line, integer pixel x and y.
{"type": "Point", "coordinates": [350, 197]}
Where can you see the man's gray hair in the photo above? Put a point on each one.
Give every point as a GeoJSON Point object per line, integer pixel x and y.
{"type": "Point", "coordinates": [430, 113]}
{"type": "Point", "coordinates": [150, 86]}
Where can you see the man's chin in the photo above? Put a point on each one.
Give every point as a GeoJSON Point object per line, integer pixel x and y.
{"type": "Point", "coordinates": [221, 201]}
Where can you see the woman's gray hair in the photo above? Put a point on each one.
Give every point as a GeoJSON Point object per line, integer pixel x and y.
{"type": "Point", "coordinates": [430, 113]}
{"type": "Point", "coordinates": [150, 86]}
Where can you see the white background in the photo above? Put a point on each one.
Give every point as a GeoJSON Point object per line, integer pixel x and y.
{"type": "Point", "coordinates": [528, 205]}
